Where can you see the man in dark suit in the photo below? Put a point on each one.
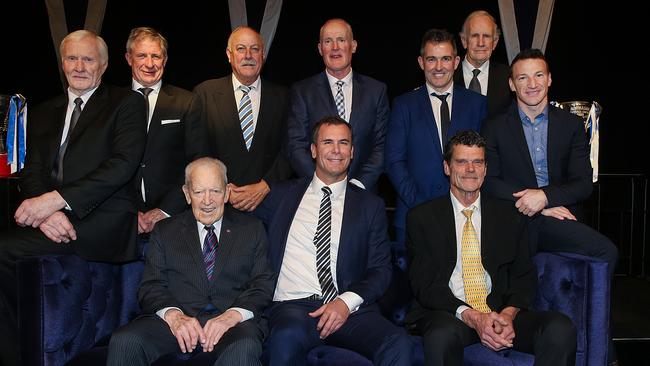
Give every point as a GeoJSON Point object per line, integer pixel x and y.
{"type": "Point", "coordinates": [471, 272]}
{"type": "Point", "coordinates": [175, 134]}
{"type": "Point", "coordinates": [421, 122]}
{"type": "Point", "coordinates": [480, 36]}
{"type": "Point", "coordinates": [539, 159]}
{"type": "Point", "coordinates": [83, 149]}
{"type": "Point", "coordinates": [328, 243]}
{"type": "Point", "coordinates": [245, 118]}
{"type": "Point", "coordinates": [360, 100]}
{"type": "Point", "coordinates": [205, 283]}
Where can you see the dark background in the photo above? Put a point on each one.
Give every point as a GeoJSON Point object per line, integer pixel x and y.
{"type": "Point", "coordinates": [589, 59]}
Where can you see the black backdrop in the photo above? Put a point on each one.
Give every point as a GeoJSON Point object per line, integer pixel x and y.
{"type": "Point", "coordinates": [584, 65]}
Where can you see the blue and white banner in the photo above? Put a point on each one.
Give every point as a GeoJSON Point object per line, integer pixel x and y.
{"type": "Point", "coordinates": [16, 133]}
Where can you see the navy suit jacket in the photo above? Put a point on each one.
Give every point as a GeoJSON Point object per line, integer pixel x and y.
{"type": "Point", "coordinates": [363, 264]}
{"type": "Point", "coordinates": [311, 99]}
{"type": "Point", "coordinates": [510, 168]}
{"type": "Point", "coordinates": [413, 152]}
{"type": "Point", "coordinates": [499, 96]}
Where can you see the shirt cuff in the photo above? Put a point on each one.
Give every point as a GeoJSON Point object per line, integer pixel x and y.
{"type": "Point", "coordinates": [165, 213]}
{"type": "Point", "coordinates": [357, 183]}
{"type": "Point", "coordinates": [352, 300]}
{"type": "Point", "coordinates": [460, 310]}
{"type": "Point", "coordinates": [161, 313]}
{"type": "Point", "coordinates": [245, 314]}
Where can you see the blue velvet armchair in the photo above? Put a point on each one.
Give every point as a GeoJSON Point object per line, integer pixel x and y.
{"type": "Point", "coordinates": [68, 308]}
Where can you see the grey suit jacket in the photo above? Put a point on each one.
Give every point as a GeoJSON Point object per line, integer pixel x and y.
{"type": "Point", "coordinates": [174, 273]}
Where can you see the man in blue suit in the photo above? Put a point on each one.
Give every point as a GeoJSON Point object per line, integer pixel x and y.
{"type": "Point", "coordinates": [358, 99]}
{"type": "Point", "coordinates": [421, 122]}
{"type": "Point", "coordinates": [328, 242]}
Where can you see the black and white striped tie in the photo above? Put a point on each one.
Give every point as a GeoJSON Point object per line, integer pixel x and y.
{"type": "Point", "coordinates": [322, 243]}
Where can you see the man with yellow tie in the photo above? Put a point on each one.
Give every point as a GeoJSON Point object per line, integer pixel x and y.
{"type": "Point", "coordinates": [471, 272]}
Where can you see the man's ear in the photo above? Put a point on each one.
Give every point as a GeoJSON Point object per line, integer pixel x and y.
{"type": "Point", "coordinates": [186, 192]}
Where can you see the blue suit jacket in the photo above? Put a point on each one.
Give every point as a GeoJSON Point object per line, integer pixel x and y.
{"type": "Point", "coordinates": [413, 153]}
{"type": "Point", "coordinates": [363, 264]}
{"type": "Point", "coordinates": [311, 99]}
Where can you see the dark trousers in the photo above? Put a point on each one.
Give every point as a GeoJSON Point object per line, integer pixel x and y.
{"type": "Point", "coordinates": [550, 336]}
{"type": "Point", "coordinates": [148, 338]}
{"type": "Point", "coordinates": [549, 234]}
{"type": "Point", "coordinates": [293, 334]}
{"type": "Point", "coordinates": [14, 245]}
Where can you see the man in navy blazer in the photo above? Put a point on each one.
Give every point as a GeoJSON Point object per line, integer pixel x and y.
{"type": "Point", "coordinates": [307, 310]}
{"type": "Point", "coordinates": [539, 159]}
{"type": "Point", "coordinates": [416, 131]}
{"type": "Point", "coordinates": [175, 132]}
{"type": "Point", "coordinates": [360, 100]}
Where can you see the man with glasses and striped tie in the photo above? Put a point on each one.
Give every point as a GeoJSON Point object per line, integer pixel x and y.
{"type": "Point", "coordinates": [206, 281]}
{"type": "Point", "coordinates": [245, 118]}
{"type": "Point", "coordinates": [328, 242]}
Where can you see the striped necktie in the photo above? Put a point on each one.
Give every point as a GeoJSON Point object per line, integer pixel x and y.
{"type": "Point", "coordinates": [322, 242]}
{"type": "Point", "coordinates": [339, 100]}
{"type": "Point", "coordinates": [473, 271]}
{"type": "Point", "coordinates": [209, 251]}
{"type": "Point", "coordinates": [246, 116]}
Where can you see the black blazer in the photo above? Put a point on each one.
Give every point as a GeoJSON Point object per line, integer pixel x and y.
{"type": "Point", "coordinates": [174, 274]}
{"type": "Point", "coordinates": [225, 140]}
{"type": "Point", "coordinates": [509, 164]}
{"type": "Point", "coordinates": [102, 156]}
{"type": "Point", "coordinates": [176, 137]}
{"type": "Point", "coordinates": [499, 96]}
{"type": "Point", "coordinates": [431, 245]}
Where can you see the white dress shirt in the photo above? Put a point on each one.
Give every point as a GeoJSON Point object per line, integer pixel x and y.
{"type": "Point", "coordinates": [468, 74]}
{"type": "Point", "coordinates": [435, 106]}
{"type": "Point", "coordinates": [298, 277]}
{"type": "Point", "coordinates": [456, 283]}
{"type": "Point", "coordinates": [245, 314]}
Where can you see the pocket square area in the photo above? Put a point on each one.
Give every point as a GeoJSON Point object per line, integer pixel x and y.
{"type": "Point", "coordinates": [168, 121]}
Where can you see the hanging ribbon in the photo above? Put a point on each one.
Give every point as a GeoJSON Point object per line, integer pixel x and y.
{"type": "Point", "coordinates": [16, 137]}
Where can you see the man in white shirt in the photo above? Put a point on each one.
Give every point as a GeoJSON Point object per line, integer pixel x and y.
{"type": "Point", "coordinates": [329, 244]}
{"type": "Point", "coordinates": [471, 272]}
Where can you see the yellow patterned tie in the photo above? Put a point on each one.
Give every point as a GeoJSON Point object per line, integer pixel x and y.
{"type": "Point", "coordinates": [473, 271]}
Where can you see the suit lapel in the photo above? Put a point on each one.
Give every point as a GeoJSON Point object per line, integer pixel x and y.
{"type": "Point", "coordinates": [351, 206]}
{"type": "Point", "coordinates": [489, 237]}
{"type": "Point", "coordinates": [357, 89]}
{"type": "Point", "coordinates": [429, 119]}
{"type": "Point", "coordinates": [161, 104]}
{"type": "Point", "coordinates": [193, 246]}
{"type": "Point", "coordinates": [449, 229]}
{"type": "Point", "coordinates": [60, 109]}
{"type": "Point", "coordinates": [325, 92]}
{"type": "Point", "coordinates": [266, 113]}
{"type": "Point", "coordinates": [553, 139]}
{"type": "Point", "coordinates": [517, 133]}
{"type": "Point", "coordinates": [226, 102]}
{"type": "Point", "coordinates": [90, 112]}
{"type": "Point", "coordinates": [289, 204]}
{"type": "Point", "coordinates": [226, 244]}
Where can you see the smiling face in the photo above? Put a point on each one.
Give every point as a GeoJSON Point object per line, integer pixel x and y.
{"type": "Point", "coordinates": [245, 54]}
{"type": "Point", "coordinates": [337, 45]}
{"type": "Point", "coordinates": [332, 152]}
{"type": "Point", "coordinates": [82, 63]}
{"type": "Point", "coordinates": [438, 61]}
{"type": "Point", "coordinates": [206, 193]}
{"type": "Point", "coordinates": [530, 80]}
{"type": "Point", "coordinates": [466, 170]}
{"type": "Point", "coordinates": [147, 61]}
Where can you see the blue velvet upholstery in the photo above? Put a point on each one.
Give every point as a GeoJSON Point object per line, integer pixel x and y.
{"type": "Point", "coordinates": [69, 307]}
